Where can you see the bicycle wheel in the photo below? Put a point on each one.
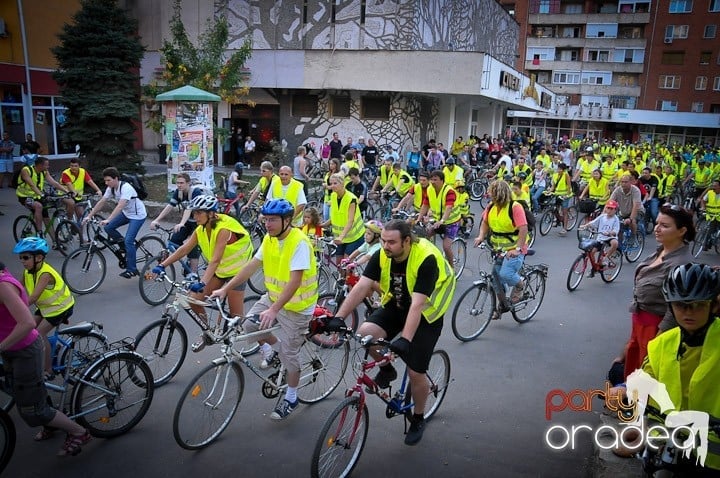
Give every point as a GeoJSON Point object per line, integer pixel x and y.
{"type": "Point", "coordinates": [321, 370]}
{"type": "Point", "coordinates": [163, 345]}
{"type": "Point", "coordinates": [576, 273]}
{"type": "Point", "coordinates": [546, 222]}
{"type": "Point", "coordinates": [208, 404]}
{"type": "Point", "coordinates": [531, 235]}
{"type": "Point", "coordinates": [572, 218]}
{"type": "Point", "coordinates": [473, 312]}
{"type": "Point", "coordinates": [634, 250]}
{"type": "Point", "coordinates": [113, 394]}
{"type": "Point", "coordinates": [248, 217]}
{"type": "Point", "coordinates": [328, 301]}
{"type": "Point", "coordinates": [477, 190]}
{"type": "Point", "coordinates": [700, 239]}
{"type": "Point", "coordinates": [84, 270]}
{"type": "Point", "coordinates": [148, 247]}
{"type": "Point", "coordinates": [24, 226]}
{"type": "Point", "coordinates": [325, 282]}
{"type": "Point", "coordinates": [532, 297]}
{"type": "Point", "coordinates": [459, 256]}
{"type": "Point", "coordinates": [341, 441]}
{"type": "Point", "coordinates": [154, 291]}
{"type": "Point", "coordinates": [584, 234]}
{"type": "Point", "coordinates": [67, 236]}
{"type": "Point", "coordinates": [8, 438]}
{"type": "Point", "coordinates": [86, 347]}
{"type": "Point", "coordinates": [610, 272]}
{"type": "Point", "coordinates": [438, 374]}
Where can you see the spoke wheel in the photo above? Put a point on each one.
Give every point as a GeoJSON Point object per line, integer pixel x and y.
{"type": "Point", "coordinates": [473, 312]}
{"type": "Point", "coordinates": [531, 235]}
{"type": "Point", "coordinates": [148, 248]}
{"type": "Point", "coordinates": [572, 218]}
{"type": "Point", "coordinates": [700, 239]}
{"type": "Point", "coordinates": [532, 298]}
{"type": "Point", "coordinates": [612, 270]}
{"type": "Point", "coordinates": [341, 440]}
{"type": "Point", "coordinates": [584, 234]}
{"type": "Point", "coordinates": [634, 251]}
{"type": "Point", "coordinates": [576, 273]}
{"type": "Point", "coordinates": [459, 250]}
{"type": "Point", "coordinates": [67, 236]}
{"type": "Point", "coordinates": [546, 222]}
{"type": "Point", "coordinates": [438, 374]}
{"type": "Point", "coordinates": [477, 190]}
{"type": "Point", "coordinates": [24, 226]}
{"type": "Point", "coordinates": [84, 270]}
{"type": "Point", "coordinates": [8, 439]}
{"type": "Point", "coordinates": [163, 345]}
{"type": "Point", "coordinates": [321, 370]}
{"type": "Point", "coordinates": [155, 291]}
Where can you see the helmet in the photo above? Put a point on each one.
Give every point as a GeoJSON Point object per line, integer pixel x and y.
{"type": "Point", "coordinates": [203, 203]}
{"type": "Point", "coordinates": [691, 282]}
{"type": "Point", "coordinates": [460, 183]}
{"type": "Point", "coordinates": [508, 177]}
{"type": "Point", "coordinates": [374, 225]}
{"type": "Point", "coordinates": [277, 207]}
{"type": "Point", "coordinates": [33, 245]}
{"type": "Point", "coordinates": [589, 149]}
{"type": "Point", "coordinates": [611, 203]}
{"type": "Point", "coordinates": [450, 160]}
{"type": "Point", "coordinates": [239, 166]}
{"type": "Point", "coordinates": [522, 175]}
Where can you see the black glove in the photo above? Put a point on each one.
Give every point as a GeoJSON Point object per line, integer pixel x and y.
{"type": "Point", "coordinates": [401, 346]}
{"type": "Point", "coordinates": [335, 324]}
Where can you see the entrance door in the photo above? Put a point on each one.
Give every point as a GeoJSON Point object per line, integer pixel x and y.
{"type": "Point", "coordinates": [240, 129]}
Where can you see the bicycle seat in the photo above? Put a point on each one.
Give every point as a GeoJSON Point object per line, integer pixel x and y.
{"type": "Point", "coordinates": [589, 244]}
{"type": "Point", "coordinates": [530, 252]}
{"type": "Point", "coordinates": [82, 329]}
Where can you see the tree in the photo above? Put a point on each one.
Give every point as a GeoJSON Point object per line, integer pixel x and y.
{"type": "Point", "coordinates": [98, 62]}
{"type": "Point", "coordinates": [205, 66]}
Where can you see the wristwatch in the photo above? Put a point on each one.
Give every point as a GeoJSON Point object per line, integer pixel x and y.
{"type": "Point", "coordinates": [518, 249]}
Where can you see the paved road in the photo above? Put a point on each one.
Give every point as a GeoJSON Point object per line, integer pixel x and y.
{"type": "Point", "coordinates": [492, 422]}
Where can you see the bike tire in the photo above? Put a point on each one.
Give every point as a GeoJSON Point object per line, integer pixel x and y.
{"type": "Point", "coordinates": [8, 439]}
{"type": "Point", "coordinates": [256, 282]}
{"type": "Point", "coordinates": [477, 190]}
{"type": "Point", "coordinates": [584, 234]}
{"type": "Point", "coordinates": [572, 218]}
{"type": "Point", "coordinates": [546, 222]}
{"type": "Point", "coordinates": [576, 273]}
{"type": "Point", "coordinates": [149, 247]}
{"type": "Point", "coordinates": [67, 236]}
{"type": "Point", "coordinates": [633, 253]}
{"type": "Point", "coordinates": [700, 239]}
{"type": "Point", "coordinates": [325, 282]}
{"type": "Point", "coordinates": [163, 346]}
{"type": "Point", "coordinates": [321, 370]}
{"type": "Point", "coordinates": [153, 291]}
{"type": "Point", "coordinates": [84, 269]}
{"type": "Point", "coordinates": [123, 383]}
{"type": "Point", "coordinates": [24, 226]}
{"type": "Point", "coordinates": [438, 373]}
{"type": "Point", "coordinates": [459, 249]}
{"type": "Point", "coordinates": [86, 348]}
{"type": "Point", "coordinates": [531, 235]}
{"type": "Point", "coordinates": [609, 274]}
{"type": "Point", "coordinates": [334, 455]}
{"type": "Point", "coordinates": [472, 313]}
{"type": "Point", "coordinates": [532, 298]}
{"type": "Point", "coordinates": [197, 422]}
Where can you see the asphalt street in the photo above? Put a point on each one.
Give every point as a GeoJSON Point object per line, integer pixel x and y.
{"type": "Point", "coordinates": [492, 423]}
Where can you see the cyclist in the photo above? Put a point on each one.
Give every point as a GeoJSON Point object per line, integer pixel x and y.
{"type": "Point", "coordinates": [74, 179]}
{"type": "Point", "coordinates": [629, 200]}
{"type": "Point", "coordinates": [233, 182]}
{"type": "Point", "coordinates": [417, 194]}
{"type": "Point", "coordinates": [607, 225]}
{"type": "Point", "coordinates": [290, 268]}
{"type": "Point", "coordinates": [597, 189]}
{"type": "Point", "coordinates": [290, 189]}
{"type": "Point", "coordinates": [462, 202]}
{"type": "Point", "coordinates": [504, 223]}
{"type": "Point", "coordinates": [31, 183]}
{"type": "Point", "coordinates": [181, 197]}
{"type": "Point", "coordinates": [562, 190]}
{"type": "Point", "coordinates": [345, 218]}
{"type": "Point", "coordinates": [384, 176]}
{"type": "Point", "coordinates": [400, 181]}
{"type": "Point", "coordinates": [440, 203]}
{"type": "Point", "coordinates": [21, 351]}
{"type": "Point", "coordinates": [227, 246]}
{"type": "Point", "coordinates": [267, 179]}
{"type": "Point", "coordinates": [373, 228]}
{"type": "Point", "coordinates": [452, 172]}
{"type": "Point", "coordinates": [540, 180]}
{"type": "Point", "coordinates": [47, 290]}
{"type": "Point", "coordinates": [356, 186]}
{"type": "Point", "coordinates": [417, 286]}
{"type": "Point", "coordinates": [711, 203]}
{"type": "Point", "coordinates": [129, 210]}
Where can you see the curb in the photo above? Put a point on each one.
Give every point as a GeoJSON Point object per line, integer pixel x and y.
{"type": "Point", "coordinates": [608, 465]}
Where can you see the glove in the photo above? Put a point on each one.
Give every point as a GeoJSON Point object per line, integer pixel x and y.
{"type": "Point", "coordinates": [335, 324]}
{"type": "Point", "coordinates": [401, 346]}
{"type": "Point", "coordinates": [158, 270]}
{"type": "Point", "coordinates": [197, 286]}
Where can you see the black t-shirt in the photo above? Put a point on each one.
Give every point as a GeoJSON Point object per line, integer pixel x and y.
{"type": "Point", "coordinates": [425, 284]}
{"type": "Point", "coordinates": [336, 149]}
{"type": "Point", "coordinates": [370, 154]}
{"type": "Point", "coordinates": [182, 202]}
{"type": "Point", "coordinates": [359, 189]}
{"type": "Point", "coordinates": [650, 183]}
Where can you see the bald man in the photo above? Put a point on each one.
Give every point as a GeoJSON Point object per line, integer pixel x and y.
{"type": "Point", "coordinates": [291, 190]}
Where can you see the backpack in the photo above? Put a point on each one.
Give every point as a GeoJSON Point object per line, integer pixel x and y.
{"type": "Point", "coordinates": [529, 216]}
{"type": "Point", "coordinates": [15, 181]}
{"type": "Point", "coordinates": [137, 184]}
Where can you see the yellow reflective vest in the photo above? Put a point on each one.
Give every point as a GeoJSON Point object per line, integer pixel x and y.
{"type": "Point", "coordinates": [54, 301]}
{"type": "Point", "coordinates": [276, 266]}
{"type": "Point", "coordinates": [503, 233]}
{"type": "Point", "coordinates": [77, 182]}
{"type": "Point", "coordinates": [712, 206]}
{"type": "Point", "coordinates": [417, 197]}
{"type": "Point", "coordinates": [236, 255]}
{"type": "Point", "coordinates": [24, 190]}
{"type": "Point", "coordinates": [402, 187]}
{"type": "Point", "coordinates": [339, 217]}
{"type": "Point", "coordinates": [562, 184]}
{"type": "Point", "coordinates": [437, 204]}
{"type": "Point", "coordinates": [435, 305]}
{"type": "Point", "coordinates": [385, 173]}
{"type": "Point", "coordinates": [291, 195]}
{"type": "Point", "coordinates": [599, 191]}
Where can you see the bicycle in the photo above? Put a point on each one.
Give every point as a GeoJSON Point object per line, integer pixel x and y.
{"type": "Point", "coordinates": [342, 438]}
{"type": "Point", "coordinates": [584, 234]}
{"type": "Point", "coordinates": [478, 182]}
{"type": "Point", "coordinates": [631, 247]}
{"type": "Point", "coordinates": [553, 216]}
{"type": "Point", "coordinates": [703, 239]}
{"type": "Point", "coordinates": [8, 435]}
{"type": "Point", "coordinates": [84, 268]}
{"type": "Point", "coordinates": [210, 400]}
{"type": "Point", "coordinates": [594, 253]}
{"type": "Point", "coordinates": [60, 227]}
{"type": "Point", "coordinates": [474, 309]}
{"type": "Point", "coordinates": [349, 276]}
{"type": "Point", "coordinates": [381, 205]}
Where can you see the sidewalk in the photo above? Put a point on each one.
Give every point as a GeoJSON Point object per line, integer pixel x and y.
{"type": "Point", "coordinates": [605, 464]}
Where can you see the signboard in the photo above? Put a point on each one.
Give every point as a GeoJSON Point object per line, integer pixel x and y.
{"type": "Point", "coordinates": [509, 81]}
{"type": "Point", "coordinates": [189, 133]}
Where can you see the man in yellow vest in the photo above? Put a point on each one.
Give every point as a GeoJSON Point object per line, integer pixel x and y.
{"type": "Point", "coordinates": [711, 203]}
{"type": "Point", "coordinates": [440, 205]}
{"type": "Point", "coordinates": [74, 179]}
{"type": "Point", "coordinates": [400, 181]}
{"type": "Point", "coordinates": [267, 178]}
{"type": "Point", "coordinates": [417, 194]}
{"type": "Point", "coordinates": [417, 287]}
{"type": "Point", "coordinates": [286, 256]}
{"type": "Point", "coordinates": [452, 172]}
{"type": "Point", "coordinates": [290, 189]}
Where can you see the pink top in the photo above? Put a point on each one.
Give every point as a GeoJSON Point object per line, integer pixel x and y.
{"type": "Point", "coordinates": [7, 321]}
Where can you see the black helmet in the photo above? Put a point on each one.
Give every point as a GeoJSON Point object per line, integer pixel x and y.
{"type": "Point", "coordinates": [691, 282]}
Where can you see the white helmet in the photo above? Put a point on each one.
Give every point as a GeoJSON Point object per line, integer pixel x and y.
{"type": "Point", "coordinates": [204, 202]}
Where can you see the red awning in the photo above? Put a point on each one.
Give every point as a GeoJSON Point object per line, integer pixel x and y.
{"type": "Point", "coordinates": [41, 82]}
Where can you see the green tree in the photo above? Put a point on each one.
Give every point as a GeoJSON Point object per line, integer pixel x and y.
{"type": "Point", "coordinates": [206, 66]}
{"type": "Point", "coordinates": [98, 59]}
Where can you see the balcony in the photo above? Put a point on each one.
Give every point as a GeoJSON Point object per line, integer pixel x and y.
{"type": "Point", "coordinates": [583, 18]}
{"type": "Point", "coordinates": [606, 90]}
{"type": "Point", "coordinates": [615, 67]}
{"type": "Point", "coordinates": [559, 42]}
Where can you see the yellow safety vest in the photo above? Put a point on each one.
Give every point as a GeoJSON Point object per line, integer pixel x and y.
{"type": "Point", "coordinates": [276, 266]}
{"type": "Point", "coordinates": [712, 205]}
{"type": "Point", "coordinates": [667, 185]}
{"type": "Point", "coordinates": [452, 176]}
{"type": "Point", "coordinates": [291, 194]}
{"type": "Point", "coordinates": [402, 187]}
{"type": "Point", "coordinates": [385, 172]}
{"type": "Point", "coordinates": [703, 387]}
{"type": "Point", "coordinates": [77, 182]}
{"type": "Point", "coordinates": [523, 196]}
{"type": "Point", "coordinates": [339, 216]}
{"type": "Point", "coordinates": [503, 233]}
{"type": "Point", "coordinates": [353, 164]}
{"type": "Point", "coordinates": [462, 202]}
{"type": "Point", "coordinates": [437, 204]}
{"type": "Point", "coordinates": [562, 189]}
{"type": "Point", "coordinates": [236, 255]}
{"type": "Point", "coordinates": [417, 197]}
{"type": "Point", "coordinates": [265, 184]}
{"type": "Point", "coordinates": [524, 169]}
{"type": "Point", "coordinates": [703, 177]}
{"type": "Point", "coordinates": [439, 301]}
{"type": "Point", "coordinates": [24, 190]}
{"type": "Point", "coordinates": [586, 169]}
{"type": "Point", "coordinates": [609, 170]}
{"type": "Point", "coordinates": [51, 302]}
{"type": "Point", "coordinates": [598, 191]}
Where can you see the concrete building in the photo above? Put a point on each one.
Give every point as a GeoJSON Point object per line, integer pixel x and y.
{"type": "Point", "coordinates": [622, 69]}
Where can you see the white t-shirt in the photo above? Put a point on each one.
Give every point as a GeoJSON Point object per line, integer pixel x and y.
{"type": "Point", "coordinates": [300, 261]}
{"type": "Point", "coordinates": [134, 208]}
{"type": "Point", "coordinates": [605, 225]}
{"type": "Point", "coordinates": [507, 161]}
{"type": "Point", "coordinates": [301, 200]}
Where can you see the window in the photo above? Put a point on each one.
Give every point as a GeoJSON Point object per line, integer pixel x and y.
{"type": "Point", "coordinates": [709, 31]}
{"type": "Point", "coordinates": [714, 6]}
{"type": "Point", "coordinates": [716, 83]}
{"type": "Point", "coordinates": [543, 32]}
{"type": "Point", "coordinates": [626, 80]}
{"type": "Point", "coordinates": [630, 32]}
{"type": "Point", "coordinates": [681, 6]}
{"type": "Point", "coordinates": [598, 55]}
{"type": "Point", "coordinates": [676, 31]}
{"type": "Point", "coordinates": [673, 58]}
{"type": "Point", "coordinates": [305, 105]}
{"type": "Point", "coordinates": [697, 107]}
{"type": "Point", "coordinates": [544, 6]}
{"type": "Point", "coordinates": [705, 57]}
{"type": "Point", "coordinates": [666, 105]}
{"type": "Point", "coordinates": [566, 78]}
{"type": "Point", "coordinates": [701, 83]}
{"type": "Point", "coordinates": [625, 102]}
{"type": "Point", "coordinates": [601, 30]}
{"type": "Point", "coordinates": [628, 55]}
{"type": "Point", "coordinates": [571, 32]}
{"type": "Point", "coordinates": [573, 8]}
{"type": "Point", "coordinates": [375, 107]}
{"type": "Point", "coordinates": [544, 54]}
{"type": "Point", "coordinates": [669, 82]}
{"type": "Point", "coordinates": [340, 106]}
{"type": "Point", "coordinates": [633, 6]}
{"type": "Point", "coordinates": [569, 55]}
{"type": "Point", "coordinates": [594, 100]}
{"type": "Point", "coordinates": [596, 78]}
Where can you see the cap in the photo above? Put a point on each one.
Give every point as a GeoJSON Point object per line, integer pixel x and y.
{"type": "Point", "coordinates": [589, 149]}
{"type": "Point", "coordinates": [611, 203]}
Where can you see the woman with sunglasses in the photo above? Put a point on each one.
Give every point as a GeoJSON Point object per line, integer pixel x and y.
{"type": "Point", "coordinates": [673, 231]}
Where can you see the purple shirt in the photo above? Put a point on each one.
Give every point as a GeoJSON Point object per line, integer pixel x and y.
{"type": "Point", "coordinates": [7, 321]}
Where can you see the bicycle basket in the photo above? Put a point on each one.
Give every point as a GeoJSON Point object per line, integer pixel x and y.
{"type": "Point", "coordinates": [586, 206]}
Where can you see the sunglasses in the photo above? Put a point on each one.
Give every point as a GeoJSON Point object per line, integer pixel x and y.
{"type": "Point", "coordinates": [25, 257]}
{"type": "Point", "coordinates": [692, 305]}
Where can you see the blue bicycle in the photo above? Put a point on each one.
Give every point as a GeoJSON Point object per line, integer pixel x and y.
{"type": "Point", "coordinates": [632, 245]}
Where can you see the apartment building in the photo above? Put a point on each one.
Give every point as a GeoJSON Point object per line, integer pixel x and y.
{"type": "Point", "coordinates": [622, 69]}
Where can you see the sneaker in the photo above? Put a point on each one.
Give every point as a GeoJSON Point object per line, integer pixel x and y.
{"type": "Point", "coordinates": [128, 274]}
{"type": "Point", "coordinates": [385, 375]}
{"type": "Point", "coordinates": [270, 361]}
{"type": "Point", "coordinates": [516, 293]}
{"type": "Point", "coordinates": [562, 233]}
{"type": "Point", "coordinates": [283, 410]}
{"type": "Point", "coordinates": [415, 433]}
{"type": "Point", "coordinates": [200, 343]}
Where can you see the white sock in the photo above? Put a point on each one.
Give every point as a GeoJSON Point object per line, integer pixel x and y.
{"type": "Point", "coordinates": [266, 350]}
{"type": "Point", "coordinates": [291, 394]}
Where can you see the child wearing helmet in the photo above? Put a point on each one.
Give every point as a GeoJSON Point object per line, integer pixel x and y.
{"type": "Point", "coordinates": [462, 203]}
{"type": "Point", "coordinates": [361, 255]}
{"type": "Point", "coordinates": [46, 289]}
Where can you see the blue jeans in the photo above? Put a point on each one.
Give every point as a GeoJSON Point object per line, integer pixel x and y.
{"type": "Point", "coordinates": [652, 207]}
{"type": "Point", "coordinates": [535, 193]}
{"type": "Point", "coordinates": [130, 235]}
{"type": "Point", "coordinates": [508, 270]}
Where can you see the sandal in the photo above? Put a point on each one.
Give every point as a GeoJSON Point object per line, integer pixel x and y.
{"type": "Point", "coordinates": [73, 443]}
{"type": "Point", "coordinates": [45, 433]}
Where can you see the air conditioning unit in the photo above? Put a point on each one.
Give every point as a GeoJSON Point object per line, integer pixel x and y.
{"type": "Point", "coordinates": [668, 41]}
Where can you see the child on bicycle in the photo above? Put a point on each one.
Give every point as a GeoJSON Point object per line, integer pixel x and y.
{"type": "Point", "coordinates": [607, 225]}
{"type": "Point", "coordinates": [47, 290]}
{"type": "Point", "coordinates": [311, 226]}
{"type": "Point", "coordinates": [373, 228]}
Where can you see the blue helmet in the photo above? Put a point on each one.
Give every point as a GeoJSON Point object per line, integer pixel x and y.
{"type": "Point", "coordinates": [33, 245]}
{"type": "Point", "coordinates": [277, 207]}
